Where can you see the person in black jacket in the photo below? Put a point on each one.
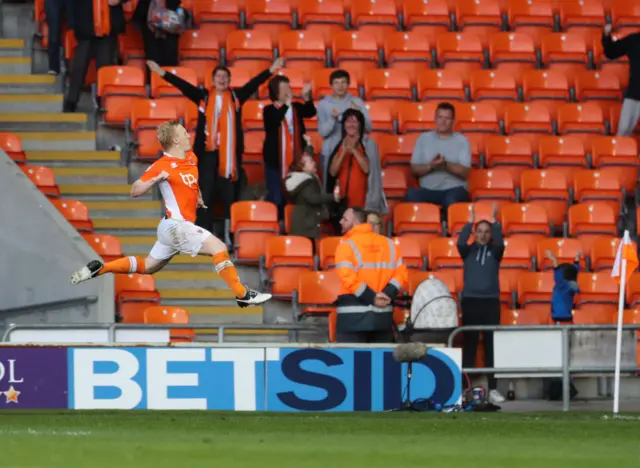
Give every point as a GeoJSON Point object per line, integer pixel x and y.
{"type": "Point", "coordinates": [162, 49]}
{"type": "Point", "coordinates": [97, 36]}
{"type": "Point", "coordinates": [219, 141]}
{"type": "Point", "coordinates": [284, 138]}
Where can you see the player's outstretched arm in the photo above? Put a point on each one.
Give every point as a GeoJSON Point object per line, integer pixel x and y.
{"type": "Point", "coordinates": [141, 187]}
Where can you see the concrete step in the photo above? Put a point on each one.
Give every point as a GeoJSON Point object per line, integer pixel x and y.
{"type": "Point", "coordinates": [58, 141]}
{"type": "Point", "coordinates": [75, 158]}
{"type": "Point", "coordinates": [36, 103]}
{"type": "Point", "coordinates": [18, 84]}
{"type": "Point", "coordinates": [43, 121]}
{"type": "Point", "coordinates": [92, 175]}
{"type": "Point", "coordinates": [136, 245]}
{"type": "Point", "coordinates": [199, 297]}
{"type": "Point", "coordinates": [188, 279]}
{"type": "Point", "coordinates": [243, 336]}
{"type": "Point", "coordinates": [15, 66]}
{"type": "Point", "coordinates": [130, 226]}
{"type": "Point", "coordinates": [12, 48]}
{"type": "Point", "coordinates": [212, 315]}
{"type": "Point", "coordinates": [125, 209]}
{"type": "Point", "coordinates": [104, 192]}
{"type": "Point", "coordinates": [187, 262]}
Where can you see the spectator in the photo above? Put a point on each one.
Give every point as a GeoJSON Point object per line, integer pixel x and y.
{"type": "Point", "coordinates": [441, 160]}
{"type": "Point", "coordinates": [375, 220]}
{"type": "Point", "coordinates": [310, 203]}
{"type": "Point", "coordinates": [56, 10]}
{"type": "Point", "coordinates": [330, 114]}
{"type": "Point", "coordinates": [565, 288]}
{"type": "Point", "coordinates": [219, 141]}
{"type": "Point", "coordinates": [284, 134]}
{"type": "Point", "coordinates": [371, 274]}
{"type": "Point", "coordinates": [159, 46]}
{"type": "Point", "coordinates": [481, 292]}
{"type": "Point", "coordinates": [629, 46]}
{"type": "Point", "coordinates": [354, 165]}
{"type": "Point", "coordinates": [96, 24]}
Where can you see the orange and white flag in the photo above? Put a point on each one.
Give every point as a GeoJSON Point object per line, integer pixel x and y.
{"type": "Point", "coordinates": [626, 252]}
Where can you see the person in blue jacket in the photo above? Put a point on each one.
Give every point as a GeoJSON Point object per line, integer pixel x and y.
{"type": "Point", "coordinates": [565, 277]}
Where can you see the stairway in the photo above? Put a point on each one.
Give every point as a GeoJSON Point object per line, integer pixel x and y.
{"type": "Point", "coordinates": [31, 106]}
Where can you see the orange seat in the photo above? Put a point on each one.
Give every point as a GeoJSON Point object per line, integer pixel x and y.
{"type": "Point", "coordinates": [418, 221]}
{"type": "Point", "coordinates": [493, 84]}
{"type": "Point", "coordinates": [527, 221]}
{"type": "Point", "coordinates": [117, 86]}
{"type": "Point", "coordinates": [441, 85]}
{"type": "Point", "coordinates": [512, 52]}
{"type": "Point", "coordinates": [217, 17]}
{"type": "Point", "coordinates": [12, 145]}
{"type": "Point", "coordinates": [317, 292]}
{"type": "Point", "coordinates": [322, 86]}
{"type": "Point", "coordinates": [409, 52]}
{"type": "Point", "coordinates": [286, 257]}
{"type": "Point", "coordinates": [598, 292]}
{"type": "Point", "coordinates": [564, 51]}
{"type": "Point", "coordinates": [133, 312]}
{"type": "Point", "coordinates": [443, 253]}
{"type": "Point", "coordinates": [546, 85]}
{"type": "Point", "coordinates": [480, 17]}
{"type": "Point", "coordinates": [380, 115]}
{"type": "Point", "coordinates": [296, 81]}
{"type": "Point", "coordinates": [171, 315]}
{"type": "Point", "coordinates": [512, 153]}
{"type": "Point", "coordinates": [131, 46]}
{"type": "Point", "coordinates": [253, 223]}
{"type": "Point", "coordinates": [108, 247]}
{"type": "Point", "coordinates": [427, 18]}
{"type": "Point", "coordinates": [535, 19]}
{"type": "Point", "coordinates": [598, 185]}
{"type": "Point", "coordinates": [618, 67]}
{"type": "Point", "coordinates": [633, 290]}
{"type": "Point", "coordinates": [199, 51]}
{"type": "Point", "coordinates": [396, 149]}
{"type": "Point", "coordinates": [565, 251]}
{"type": "Point", "coordinates": [394, 183]}
{"type": "Point", "coordinates": [584, 17]}
{"type": "Point", "coordinates": [145, 116]}
{"type": "Point", "coordinates": [160, 89]}
{"type": "Point", "coordinates": [387, 84]}
{"type": "Point", "coordinates": [356, 50]}
{"type": "Point", "coordinates": [549, 189]}
{"type": "Point", "coordinates": [412, 256]}
{"type": "Point", "coordinates": [460, 51]}
{"type": "Point", "coordinates": [43, 178]}
{"type": "Point", "coordinates": [524, 317]}
{"type": "Point", "coordinates": [494, 185]}
{"type": "Point", "coordinates": [76, 213]}
{"type": "Point", "coordinates": [595, 314]}
{"type": "Point", "coordinates": [565, 154]}
{"type": "Point", "coordinates": [458, 215]}
{"type": "Point", "coordinates": [530, 120]}
{"type": "Point", "coordinates": [509, 283]}
{"type": "Point", "coordinates": [416, 117]}
{"type": "Point", "coordinates": [272, 17]}
{"type": "Point", "coordinates": [534, 291]}
{"type": "Point", "coordinates": [476, 117]}
{"type": "Point", "coordinates": [303, 50]}
{"type": "Point", "coordinates": [516, 254]}
{"type": "Point", "coordinates": [135, 288]}
{"type": "Point", "coordinates": [327, 251]}
{"type": "Point", "coordinates": [447, 277]}
{"type": "Point", "coordinates": [625, 13]}
{"type": "Point", "coordinates": [591, 85]}
{"type": "Point", "coordinates": [603, 252]}
{"type": "Point", "coordinates": [375, 17]}
{"type": "Point", "coordinates": [477, 142]}
{"type": "Point", "coordinates": [580, 118]}
{"type": "Point", "coordinates": [249, 49]}
{"type": "Point", "coordinates": [252, 115]}
{"type": "Point", "coordinates": [618, 154]}
{"type": "Point", "coordinates": [322, 16]}
{"type": "Point", "coordinates": [589, 220]}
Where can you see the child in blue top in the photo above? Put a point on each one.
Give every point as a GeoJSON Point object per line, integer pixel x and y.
{"type": "Point", "coordinates": [565, 276]}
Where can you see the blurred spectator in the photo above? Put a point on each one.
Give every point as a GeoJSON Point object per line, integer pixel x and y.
{"type": "Point", "coordinates": [441, 160]}
{"type": "Point", "coordinates": [481, 292]}
{"type": "Point", "coordinates": [219, 141]}
{"type": "Point", "coordinates": [330, 114]}
{"type": "Point", "coordinates": [354, 166]}
{"type": "Point", "coordinates": [371, 274]}
{"type": "Point", "coordinates": [375, 220]}
{"type": "Point", "coordinates": [96, 24]}
{"type": "Point", "coordinates": [284, 134]}
{"type": "Point", "coordinates": [56, 11]}
{"type": "Point", "coordinates": [565, 277]}
{"type": "Point", "coordinates": [311, 203]}
{"type": "Point", "coordinates": [160, 46]}
{"type": "Point", "coordinates": [629, 46]}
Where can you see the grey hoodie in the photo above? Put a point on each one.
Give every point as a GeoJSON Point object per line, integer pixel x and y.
{"type": "Point", "coordinates": [481, 263]}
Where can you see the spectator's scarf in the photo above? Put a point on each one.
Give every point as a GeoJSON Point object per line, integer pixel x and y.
{"type": "Point", "coordinates": [288, 142]}
{"type": "Point", "coordinates": [101, 18]}
{"type": "Point", "coordinates": [222, 133]}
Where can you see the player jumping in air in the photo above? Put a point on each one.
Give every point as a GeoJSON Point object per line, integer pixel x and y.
{"type": "Point", "coordinates": [176, 174]}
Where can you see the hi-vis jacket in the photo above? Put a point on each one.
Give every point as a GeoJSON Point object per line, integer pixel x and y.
{"type": "Point", "coordinates": [367, 263]}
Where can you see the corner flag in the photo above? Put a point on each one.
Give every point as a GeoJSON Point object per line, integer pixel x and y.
{"type": "Point", "coordinates": [626, 251]}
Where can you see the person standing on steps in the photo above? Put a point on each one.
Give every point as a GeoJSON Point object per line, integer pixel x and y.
{"type": "Point", "coordinates": [56, 11]}
{"type": "Point", "coordinates": [219, 141]}
{"type": "Point", "coordinates": [176, 175]}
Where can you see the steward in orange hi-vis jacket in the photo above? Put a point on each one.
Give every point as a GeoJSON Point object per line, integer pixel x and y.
{"type": "Point", "coordinates": [371, 273]}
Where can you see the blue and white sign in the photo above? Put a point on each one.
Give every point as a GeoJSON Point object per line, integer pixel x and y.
{"type": "Point", "coordinates": [256, 379]}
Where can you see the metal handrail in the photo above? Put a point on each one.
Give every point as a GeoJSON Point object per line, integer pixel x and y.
{"type": "Point", "coordinates": [52, 305]}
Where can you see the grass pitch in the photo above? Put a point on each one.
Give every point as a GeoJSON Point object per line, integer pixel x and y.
{"type": "Point", "coordinates": [209, 439]}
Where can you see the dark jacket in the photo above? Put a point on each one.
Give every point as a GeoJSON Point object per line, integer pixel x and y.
{"type": "Point", "coordinates": [310, 204]}
{"type": "Point", "coordinates": [272, 118]}
{"type": "Point", "coordinates": [80, 19]}
{"type": "Point", "coordinates": [481, 263]}
{"type": "Point", "coordinates": [142, 10]}
{"type": "Point", "coordinates": [629, 46]}
{"type": "Point", "coordinates": [199, 95]}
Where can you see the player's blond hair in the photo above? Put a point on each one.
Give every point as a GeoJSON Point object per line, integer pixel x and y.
{"type": "Point", "coordinates": [166, 132]}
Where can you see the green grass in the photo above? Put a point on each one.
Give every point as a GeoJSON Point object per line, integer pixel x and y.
{"type": "Point", "coordinates": [213, 439]}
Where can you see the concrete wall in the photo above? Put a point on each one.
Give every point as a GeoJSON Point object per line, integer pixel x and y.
{"type": "Point", "coordinates": [39, 250]}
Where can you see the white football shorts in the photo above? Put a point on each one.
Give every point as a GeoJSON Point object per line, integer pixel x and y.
{"type": "Point", "coordinates": [175, 236]}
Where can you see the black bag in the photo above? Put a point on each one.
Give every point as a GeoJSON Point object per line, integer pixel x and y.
{"type": "Point", "coordinates": [554, 390]}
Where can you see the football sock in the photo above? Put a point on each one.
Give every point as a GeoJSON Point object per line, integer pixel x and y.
{"type": "Point", "coordinates": [228, 272]}
{"type": "Point", "coordinates": [124, 265]}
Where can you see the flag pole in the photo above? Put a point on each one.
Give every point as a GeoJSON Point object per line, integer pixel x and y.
{"type": "Point", "coordinates": [616, 380]}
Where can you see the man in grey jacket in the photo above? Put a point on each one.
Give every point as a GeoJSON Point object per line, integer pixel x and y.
{"type": "Point", "coordinates": [481, 291]}
{"type": "Point", "coordinates": [330, 110]}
